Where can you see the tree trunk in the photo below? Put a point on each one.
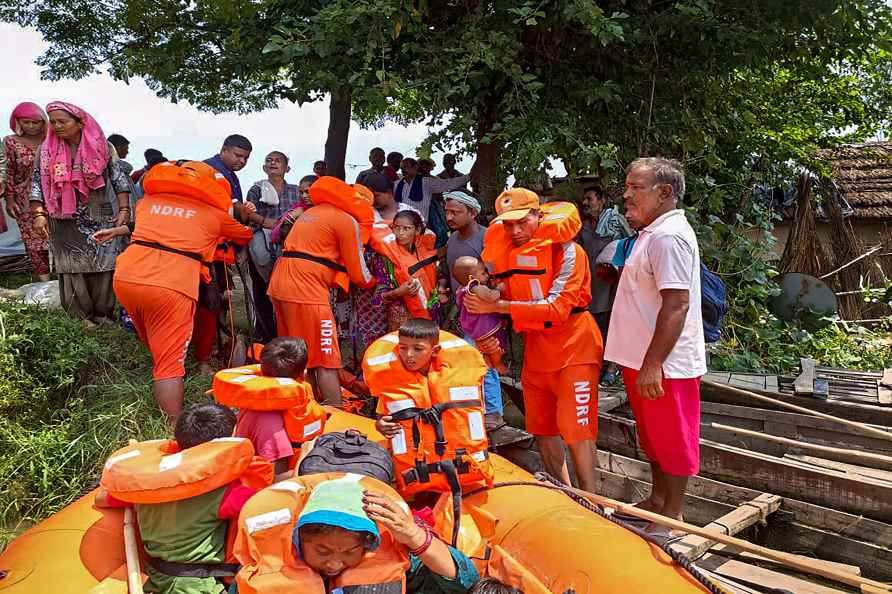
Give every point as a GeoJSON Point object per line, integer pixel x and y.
{"type": "Point", "coordinates": [489, 178]}
{"type": "Point", "coordinates": [339, 113]}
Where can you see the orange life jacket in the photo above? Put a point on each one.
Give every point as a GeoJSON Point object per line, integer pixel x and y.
{"type": "Point", "coordinates": [270, 563]}
{"type": "Point", "coordinates": [529, 270]}
{"type": "Point", "coordinates": [193, 179]}
{"type": "Point", "coordinates": [422, 265]}
{"type": "Point", "coordinates": [246, 387]}
{"type": "Point", "coordinates": [443, 444]}
{"type": "Point", "coordinates": [158, 471]}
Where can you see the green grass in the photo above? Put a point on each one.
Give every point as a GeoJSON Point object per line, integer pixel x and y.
{"type": "Point", "coordinates": [68, 398]}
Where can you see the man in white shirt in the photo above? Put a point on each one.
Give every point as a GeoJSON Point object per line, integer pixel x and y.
{"type": "Point", "coordinates": [658, 331]}
{"type": "Point", "coordinates": [416, 191]}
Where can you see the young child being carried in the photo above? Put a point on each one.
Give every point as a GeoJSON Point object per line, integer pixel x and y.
{"type": "Point", "coordinates": [472, 276]}
{"type": "Point", "coordinates": [183, 522]}
{"type": "Point", "coordinates": [277, 411]}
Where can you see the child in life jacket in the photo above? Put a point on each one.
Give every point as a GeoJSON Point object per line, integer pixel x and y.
{"type": "Point", "coordinates": [472, 277]}
{"type": "Point", "coordinates": [189, 536]}
{"type": "Point", "coordinates": [282, 357]}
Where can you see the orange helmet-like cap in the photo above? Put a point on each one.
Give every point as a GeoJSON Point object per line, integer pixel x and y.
{"type": "Point", "coordinates": [205, 170]}
{"type": "Point", "coordinates": [515, 204]}
{"type": "Point", "coordinates": [333, 190]}
{"type": "Point", "coordinates": [190, 178]}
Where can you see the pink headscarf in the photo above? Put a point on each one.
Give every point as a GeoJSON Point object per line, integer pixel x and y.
{"type": "Point", "coordinates": [61, 175]}
{"type": "Point", "coordinates": [28, 110]}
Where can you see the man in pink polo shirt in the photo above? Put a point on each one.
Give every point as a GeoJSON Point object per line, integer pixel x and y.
{"type": "Point", "coordinates": [659, 337]}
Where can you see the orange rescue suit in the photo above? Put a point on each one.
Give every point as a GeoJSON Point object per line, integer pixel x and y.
{"type": "Point", "coordinates": [422, 265]}
{"type": "Point", "coordinates": [271, 564]}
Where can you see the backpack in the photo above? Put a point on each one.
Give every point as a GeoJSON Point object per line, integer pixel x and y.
{"type": "Point", "coordinates": [348, 451]}
{"type": "Point", "coordinates": [713, 303]}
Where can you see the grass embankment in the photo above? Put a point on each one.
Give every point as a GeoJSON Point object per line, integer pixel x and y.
{"type": "Point", "coordinates": [68, 398]}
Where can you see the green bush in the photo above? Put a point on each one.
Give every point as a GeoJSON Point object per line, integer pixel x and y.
{"type": "Point", "coordinates": [68, 399]}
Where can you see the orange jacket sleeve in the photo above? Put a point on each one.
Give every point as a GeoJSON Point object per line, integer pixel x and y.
{"type": "Point", "coordinates": [351, 253]}
{"type": "Point", "coordinates": [234, 231]}
{"type": "Point", "coordinates": [571, 288]}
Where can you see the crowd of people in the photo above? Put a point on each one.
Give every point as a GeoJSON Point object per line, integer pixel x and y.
{"type": "Point", "coordinates": [401, 255]}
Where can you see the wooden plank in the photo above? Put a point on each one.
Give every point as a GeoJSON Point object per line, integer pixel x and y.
{"type": "Point", "coordinates": [870, 460]}
{"type": "Point", "coordinates": [748, 381]}
{"type": "Point", "coordinates": [771, 383]}
{"type": "Point", "coordinates": [760, 577]}
{"type": "Point", "coordinates": [742, 517]}
{"type": "Point", "coordinates": [874, 473]}
{"type": "Point", "coordinates": [786, 478]}
{"type": "Point", "coordinates": [805, 381]}
{"type": "Point", "coordinates": [747, 557]}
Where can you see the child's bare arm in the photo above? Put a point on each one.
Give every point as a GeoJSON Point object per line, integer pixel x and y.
{"type": "Point", "coordinates": [485, 293]}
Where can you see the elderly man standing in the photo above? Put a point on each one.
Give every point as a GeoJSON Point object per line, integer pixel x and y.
{"type": "Point", "coordinates": [661, 344]}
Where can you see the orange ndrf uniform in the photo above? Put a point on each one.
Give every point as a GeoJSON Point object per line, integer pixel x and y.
{"type": "Point", "coordinates": [548, 286]}
{"type": "Point", "coordinates": [178, 222]}
{"type": "Point", "coordinates": [421, 265]}
{"type": "Point", "coordinates": [323, 250]}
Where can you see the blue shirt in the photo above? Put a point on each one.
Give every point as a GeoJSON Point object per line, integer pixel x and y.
{"type": "Point", "coordinates": [217, 163]}
{"type": "Point", "coordinates": [623, 251]}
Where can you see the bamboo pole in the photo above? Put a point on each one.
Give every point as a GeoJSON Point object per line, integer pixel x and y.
{"type": "Point", "coordinates": [866, 458]}
{"type": "Point", "coordinates": [802, 564]}
{"type": "Point", "coordinates": [134, 576]}
{"type": "Point", "coordinates": [801, 409]}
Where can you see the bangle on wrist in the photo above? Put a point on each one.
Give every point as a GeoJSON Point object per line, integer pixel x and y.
{"type": "Point", "coordinates": [428, 539]}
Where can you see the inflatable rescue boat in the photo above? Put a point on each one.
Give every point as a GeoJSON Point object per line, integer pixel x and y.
{"type": "Point", "coordinates": [538, 536]}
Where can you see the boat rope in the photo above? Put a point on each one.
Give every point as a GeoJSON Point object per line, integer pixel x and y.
{"type": "Point", "coordinates": [546, 481]}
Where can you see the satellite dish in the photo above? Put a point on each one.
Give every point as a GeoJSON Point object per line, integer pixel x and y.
{"type": "Point", "coordinates": [803, 298]}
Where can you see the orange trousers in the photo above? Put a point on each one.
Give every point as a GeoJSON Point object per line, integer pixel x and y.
{"type": "Point", "coordinates": [163, 320]}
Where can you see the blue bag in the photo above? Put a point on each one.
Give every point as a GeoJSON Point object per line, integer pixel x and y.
{"type": "Point", "coordinates": [713, 303]}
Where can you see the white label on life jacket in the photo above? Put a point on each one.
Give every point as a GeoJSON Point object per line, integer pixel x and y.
{"type": "Point", "coordinates": [240, 370]}
{"type": "Point", "coordinates": [461, 393]}
{"type": "Point", "coordinates": [285, 381]}
{"type": "Point", "coordinates": [395, 406]}
{"type": "Point", "coordinates": [268, 520]}
{"type": "Point", "coordinates": [115, 459]}
{"type": "Point", "coordinates": [243, 378]}
{"type": "Point", "coordinates": [391, 338]}
{"type": "Point", "coordinates": [230, 439]}
{"type": "Point", "coordinates": [287, 486]}
{"type": "Point", "coordinates": [381, 359]}
{"type": "Point", "coordinates": [475, 425]}
{"type": "Point", "coordinates": [523, 260]}
{"type": "Point", "coordinates": [398, 443]}
{"type": "Point", "coordinates": [452, 344]}
{"type": "Point", "coordinates": [169, 462]}
{"type": "Point", "coordinates": [479, 456]}
{"type": "Point", "coordinates": [312, 428]}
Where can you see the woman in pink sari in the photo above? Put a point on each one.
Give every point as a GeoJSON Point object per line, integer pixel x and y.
{"type": "Point", "coordinates": [28, 123]}
{"type": "Point", "coordinates": [78, 190]}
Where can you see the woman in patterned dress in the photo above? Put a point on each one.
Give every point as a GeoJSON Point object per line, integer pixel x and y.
{"type": "Point", "coordinates": [28, 123]}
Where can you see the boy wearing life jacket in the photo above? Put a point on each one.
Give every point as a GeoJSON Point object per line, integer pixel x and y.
{"type": "Point", "coordinates": [178, 222]}
{"type": "Point", "coordinates": [529, 246]}
{"type": "Point", "coordinates": [277, 411]}
{"type": "Point", "coordinates": [183, 520]}
{"type": "Point", "coordinates": [323, 251]}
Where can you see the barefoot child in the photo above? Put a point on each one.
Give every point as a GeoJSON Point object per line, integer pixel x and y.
{"type": "Point", "coordinates": [261, 418]}
{"type": "Point", "coordinates": [473, 278]}
{"type": "Point", "coordinates": [185, 537]}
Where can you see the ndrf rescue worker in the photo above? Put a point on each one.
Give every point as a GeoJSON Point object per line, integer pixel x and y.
{"type": "Point", "coordinates": [529, 247]}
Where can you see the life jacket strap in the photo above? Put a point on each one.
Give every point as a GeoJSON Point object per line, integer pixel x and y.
{"type": "Point", "coordinates": [450, 469]}
{"type": "Point", "coordinates": [576, 310]}
{"type": "Point", "coordinates": [432, 416]}
{"type": "Point", "coordinates": [317, 259]}
{"type": "Point", "coordinates": [161, 247]}
{"type": "Point", "coordinates": [422, 263]}
{"type": "Point", "coordinates": [519, 271]}
{"type": "Point", "coordinates": [194, 570]}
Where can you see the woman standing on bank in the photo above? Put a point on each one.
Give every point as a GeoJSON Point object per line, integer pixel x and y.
{"type": "Point", "coordinates": [28, 124]}
{"type": "Point", "coordinates": [78, 190]}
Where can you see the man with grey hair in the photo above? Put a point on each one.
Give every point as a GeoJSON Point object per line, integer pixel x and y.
{"type": "Point", "coordinates": [659, 331]}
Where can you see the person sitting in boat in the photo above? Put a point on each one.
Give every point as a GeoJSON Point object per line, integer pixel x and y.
{"type": "Point", "coordinates": [276, 407]}
{"type": "Point", "coordinates": [183, 520]}
{"type": "Point", "coordinates": [337, 532]}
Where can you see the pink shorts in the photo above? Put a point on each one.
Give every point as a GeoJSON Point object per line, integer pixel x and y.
{"type": "Point", "coordinates": [669, 426]}
{"type": "Point", "coordinates": [266, 430]}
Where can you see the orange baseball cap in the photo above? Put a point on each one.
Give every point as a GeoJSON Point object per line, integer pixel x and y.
{"type": "Point", "coordinates": [515, 204]}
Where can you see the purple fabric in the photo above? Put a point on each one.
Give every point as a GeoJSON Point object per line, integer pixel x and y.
{"type": "Point", "coordinates": [477, 326]}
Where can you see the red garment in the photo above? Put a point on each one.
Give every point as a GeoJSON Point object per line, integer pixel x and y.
{"type": "Point", "coordinates": [20, 166]}
{"type": "Point", "coordinates": [266, 430]}
{"type": "Point", "coordinates": [204, 333]}
{"type": "Point", "coordinates": [391, 173]}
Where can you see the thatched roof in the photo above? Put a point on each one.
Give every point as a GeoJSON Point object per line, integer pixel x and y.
{"type": "Point", "coordinates": [863, 174]}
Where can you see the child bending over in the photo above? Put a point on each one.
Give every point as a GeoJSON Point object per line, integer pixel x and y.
{"type": "Point", "coordinates": [285, 356]}
{"type": "Point", "coordinates": [472, 276]}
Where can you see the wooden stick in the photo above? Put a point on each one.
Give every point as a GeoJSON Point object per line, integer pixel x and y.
{"type": "Point", "coordinates": [801, 409]}
{"type": "Point", "coordinates": [134, 576]}
{"type": "Point", "coordinates": [865, 458]}
{"type": "Point", "coordinates": [802, 564]}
